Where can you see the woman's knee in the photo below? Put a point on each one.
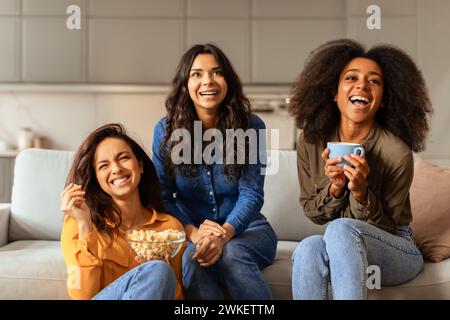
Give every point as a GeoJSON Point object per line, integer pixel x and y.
{"type": "Point", "coordinates": [340, 228]}
{"type": "Point", "coordinates": [233, 253]}
{"type": "Point", "coordinates": [189, 253]}
{"type": "Point", "coordinates": [162, 268]}
{"type": "Point", "coordinates": [308, 249]}
{"type": "Point", "coordinates": [345, 236]}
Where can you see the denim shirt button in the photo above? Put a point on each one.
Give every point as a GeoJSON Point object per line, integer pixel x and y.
{"type": "Point", "coordinates": [211, 193]}
{"type": "Point", "coordinates": [208, 173]}
{"type": "Point", "coordinates": [214, 209]}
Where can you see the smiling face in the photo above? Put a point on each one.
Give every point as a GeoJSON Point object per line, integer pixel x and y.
{"type": "Point", "coordinates": [207, 86]}
{"type": "Point", "coordinates": [360, 91]}
{"type": "Point", "coordinates": [117, 169]}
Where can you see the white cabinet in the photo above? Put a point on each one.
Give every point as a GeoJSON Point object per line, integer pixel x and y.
{"type": "Point", "coordinates": [136, 8]}
{"type": "Point", "coordinates": [218, 9]}
{"type": "Point", "coordinates": [225, 24]}
{"type": "Point", "coordinates": [232, 36]}
{"type": "Point", "coordinates": [9, 40]}
{"type": "Point", "coordinates": [51, 52]}
{"type": "Point", "coordinates": [284, 32]}
{"type": "Point", "coordinates": [9, 49]}
{"type": "Point", "coordinates": [399, 24]}
{"type": "Point", "coordinates": [134, 50]}
{"type": "Point", "coordinates": [135, 41]}
{"type": "Point", "coordinates": [397, 7]}
{"type": "Point", "coordinates": [9, 7]}
{"type": "Point", "coordinates": [6, 177]}
{"type": "Point", "coordinates": [398, 30]}
{"type": "Point", "coordinates": [280, 48]}
{"type": "Point", "coordinates": [50, 7]}
{"type": "Point", "coordinates": [141, 41]}
{"type": "Point", "coordinates": [312, 9]}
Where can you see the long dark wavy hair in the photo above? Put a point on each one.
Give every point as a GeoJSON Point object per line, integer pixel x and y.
{"type": "Point", "coordinates": [406, 106]}
{"type": "Point", "coordinates": [234, 112]}
{"type": "Point", "coordinates": [102, 206]}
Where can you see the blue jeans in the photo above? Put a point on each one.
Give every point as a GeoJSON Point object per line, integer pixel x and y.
{"type": "Point", "coordinates": [238, 269]}
{"type": "Point", "coordinates": [152, 280]}
{"type": "Point", "coordinates": [341, 256]}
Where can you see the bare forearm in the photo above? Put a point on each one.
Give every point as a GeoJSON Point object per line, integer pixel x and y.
{"type": "Point", "coordinates": [230, 232]}
{"type": "Point", "coordinates": [192, 233]}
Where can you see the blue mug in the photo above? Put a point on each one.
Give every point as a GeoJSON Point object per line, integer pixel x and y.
{"type": "Point", "coordinates": [341, 149]}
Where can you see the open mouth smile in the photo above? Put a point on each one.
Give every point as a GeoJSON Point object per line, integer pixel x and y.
{"type": "Point", "coordinates": [209, 93]}
{"type": "Point", "coordinates": [120, 181]}
{"type": "Point", "coordinates": [360, 101]}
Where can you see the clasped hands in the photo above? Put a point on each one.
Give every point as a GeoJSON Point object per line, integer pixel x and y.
{"type": "Point", "coordinates": [211, 239]}
{"type": "Point", "coordinates": [353, 177]}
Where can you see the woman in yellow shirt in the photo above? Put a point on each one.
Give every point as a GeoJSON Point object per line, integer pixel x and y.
{"type": "Point", "coordinates": [112, 186]}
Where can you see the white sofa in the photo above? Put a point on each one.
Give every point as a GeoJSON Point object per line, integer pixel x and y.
{"type": "Point", "coordinates": [31, 263]}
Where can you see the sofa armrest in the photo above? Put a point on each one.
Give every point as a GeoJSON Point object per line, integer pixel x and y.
{"type": "Point", "coordinates": [4, 223]}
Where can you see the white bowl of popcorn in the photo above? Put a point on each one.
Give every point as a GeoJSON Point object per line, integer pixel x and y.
{"type": "Point", "coordinates": [148, 243]}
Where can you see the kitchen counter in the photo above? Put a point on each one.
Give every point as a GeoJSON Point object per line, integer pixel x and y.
{"type": "Point", "coordinates": [8, 153]}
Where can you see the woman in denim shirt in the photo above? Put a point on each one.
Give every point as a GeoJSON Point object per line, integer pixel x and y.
{"type": "Point", "coordinates": [217, 200]}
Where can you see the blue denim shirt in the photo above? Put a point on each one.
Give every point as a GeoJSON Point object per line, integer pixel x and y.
{"type": "Point", "coordinates": [209, 194]}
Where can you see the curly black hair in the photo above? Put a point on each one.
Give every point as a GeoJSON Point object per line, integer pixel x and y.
{"type": "Point", "coordinates": [234, 112]}
{"type": "Point", "coordinates": [406, 106]}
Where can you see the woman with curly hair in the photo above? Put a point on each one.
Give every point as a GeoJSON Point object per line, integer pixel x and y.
{"type": "Point", "coordinates": [217, 201]}
{"type": "Point", "coordinates": [112, 186]}
{"type": "Point", "coordinates": [378, 99]}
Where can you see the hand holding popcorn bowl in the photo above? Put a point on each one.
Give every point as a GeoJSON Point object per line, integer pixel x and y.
{"type": "Point", "coordinates": [150, 244]}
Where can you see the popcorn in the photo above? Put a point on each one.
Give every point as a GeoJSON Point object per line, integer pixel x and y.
{"type": "Point", "coordinates": [156, 244]}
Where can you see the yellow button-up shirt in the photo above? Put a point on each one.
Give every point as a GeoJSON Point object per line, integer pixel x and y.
{"type": "Point", "coordinates": [95, 262]}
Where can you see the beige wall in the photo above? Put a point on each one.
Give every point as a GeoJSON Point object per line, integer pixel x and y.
{"type": "Point", "coordinates": [66, 118]}
{"type": "Point", "coordinates": [434, 60]}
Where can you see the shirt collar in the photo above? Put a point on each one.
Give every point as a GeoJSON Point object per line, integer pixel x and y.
{"type": "Point", "coordinates": [370, 140]}
{"type": "Point", "coordinates": [152, 220]}
{"type": "Point", "coordinates": [155, 216]}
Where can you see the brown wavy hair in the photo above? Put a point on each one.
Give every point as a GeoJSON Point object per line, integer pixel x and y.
{"type": "Point", "coordinates": [102, 206]}
{"type": "Point", "coordinates": [406, 106]}
{"type": "Point", "coordinates": [234, 112]}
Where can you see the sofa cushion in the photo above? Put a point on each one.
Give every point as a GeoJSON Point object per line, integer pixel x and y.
{"type": "Point", "coordinates": [431, 211]}
{"type": "Point", "coordinates": [432, 283]}
{"type": "Point", "coordinates": [279, 274]}
{"type": "Point", "coordinates": [281, 201]}
{"type": "Point", "coordinates": [32, 270]}
{"type": "Point", "coordinates": [4, 223]}
{"type": "Point", "coordinates": [39, 177]}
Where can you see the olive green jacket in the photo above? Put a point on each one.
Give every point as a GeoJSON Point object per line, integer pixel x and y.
{"type": "Point", "coordinates": [391, 166]}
